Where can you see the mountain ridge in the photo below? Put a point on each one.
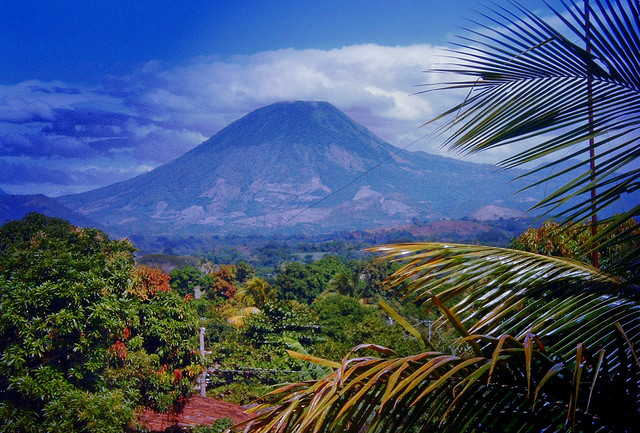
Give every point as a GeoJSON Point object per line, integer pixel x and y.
{"type": "Point", "coordinates": [15, 207]}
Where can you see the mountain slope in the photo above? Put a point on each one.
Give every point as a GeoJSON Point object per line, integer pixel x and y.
{"type": "Point", "coordinates": [15, 207]}
{"type": "Point", "coordinates": [261, 171]}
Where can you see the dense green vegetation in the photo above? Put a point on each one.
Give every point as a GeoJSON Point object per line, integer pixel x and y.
{"type": "Point", "coordinates": [573, 241]}
{"type": "Point", "coordinates": [86, 337]}
{"type": "Point", "coordinates": [544, 341]}
{"type": "Point", "coordinates": [323, 308]}
{"type": "Point", "coordinates": [89, 337]}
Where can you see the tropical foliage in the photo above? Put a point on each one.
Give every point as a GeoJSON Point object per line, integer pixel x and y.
{"type": "Point", "coordinates": [572, 241]}
{"type": "Point", "coordinates": [250, 334]}
{"type": "Point", "coordinates": [86, 338]}
{"type": "Point", "coordinates": [305, 282]}
{"type": "Point", "coordinates": [545, 343]}
{"type": "Point", "coordinates": [256, 291]}
{"type": "Point", "coordinates": [528, 82]}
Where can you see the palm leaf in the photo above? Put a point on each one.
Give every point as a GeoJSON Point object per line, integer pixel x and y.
{"type": "Point", "coordinates": [422, 340]}
{"type": "Point", "coordinates": [435, 390]}
{"type": "Point", "coordinates": [537, 387]}
{"type": "Point", "coordinates": [553, 341]}
{"type": "Point", "coordinates": [515, 292]}
{"type": "Point", "coordinates": [528, 81]}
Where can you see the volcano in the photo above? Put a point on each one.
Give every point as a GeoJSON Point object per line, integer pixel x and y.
{"type": "Point", "coordinates": [296, 167]}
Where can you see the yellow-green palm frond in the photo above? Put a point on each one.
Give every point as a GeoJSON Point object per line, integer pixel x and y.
{"type": "Point", "coordinates": [506, 291]}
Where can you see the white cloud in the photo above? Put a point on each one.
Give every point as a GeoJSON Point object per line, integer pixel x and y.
{"type": "Point", "coordinates": [160, 111]}
{"type": "Point", "coordinates": [373, 83]}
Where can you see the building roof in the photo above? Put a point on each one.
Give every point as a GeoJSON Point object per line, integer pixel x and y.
{"type": "Point", "coordinates": [198, 411]}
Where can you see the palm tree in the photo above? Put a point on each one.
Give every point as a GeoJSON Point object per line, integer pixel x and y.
{"type": "Point", "coordinates": [345, 283]}
{"type": "Point", "coordinates": [546, 343]}
{"type": "Point", "coordinates": [256, 292]}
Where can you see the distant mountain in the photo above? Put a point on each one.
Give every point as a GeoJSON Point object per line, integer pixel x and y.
{"type": "Point", "coordinates": [497, 233]}
{"type": "Point", "coordinates": [493, 213]}
{"type": "Point", "coordinates": [297, 166]}
{"type": "Point", "coordinates": [15, 207]}
{"type": "Point", "coordinates": [3, 192]}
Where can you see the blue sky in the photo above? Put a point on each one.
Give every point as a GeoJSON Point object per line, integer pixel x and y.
{"type": "Point", "coordinates": [94, 92]}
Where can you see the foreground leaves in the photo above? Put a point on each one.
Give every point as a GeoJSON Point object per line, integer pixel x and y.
{"type": "Point", "coordinates": [86, 338]}
{"type": "Point", "coordinates": [547, 344]}
{"type": "Point", "coordinates": [515, 292]}
{"type": "Point", "coordinates": [551, 92]}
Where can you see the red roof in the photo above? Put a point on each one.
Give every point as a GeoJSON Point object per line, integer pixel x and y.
{"type": "Point", "coordinates": [198, 411]}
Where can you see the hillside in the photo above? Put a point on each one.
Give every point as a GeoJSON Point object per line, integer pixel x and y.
{"type": "Point", "coordinates": [14, 207]}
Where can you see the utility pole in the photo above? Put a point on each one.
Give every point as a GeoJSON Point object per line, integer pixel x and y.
{"type": "Point", "coordinates": [203, 377]}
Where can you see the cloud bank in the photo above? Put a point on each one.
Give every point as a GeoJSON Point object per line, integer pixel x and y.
{"type": "Point", "coordinates": [80, 137]}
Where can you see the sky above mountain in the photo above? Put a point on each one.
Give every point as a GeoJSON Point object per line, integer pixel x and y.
{"type": "Point", "coordinates": [96, 92]}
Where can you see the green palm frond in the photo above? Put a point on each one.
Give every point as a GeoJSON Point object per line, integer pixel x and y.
{"type": "Point", "coordinates": [517, 385]}
{"type": "Point", "coordinates": [345, 283]}
{"type": "Point", "coordinates": [528, 82]}
{"type": "Point", "coordinates": [514, 292]}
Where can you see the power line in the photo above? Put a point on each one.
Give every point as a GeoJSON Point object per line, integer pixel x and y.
{"type": "Point", "coordinates": [402, 149]}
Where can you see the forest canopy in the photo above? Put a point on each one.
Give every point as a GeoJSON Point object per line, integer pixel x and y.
{"type": "Point", "coordinates": [86, 337]}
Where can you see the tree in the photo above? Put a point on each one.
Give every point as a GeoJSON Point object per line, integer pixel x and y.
{"type": "Point", "coordinates": [86, 338]}
{"type": "Point", "coordinates": [572, 240]}
{"type": "Point", "coordinates": [185, 280]}
{"type": "Point", "coordinates": [305, 282]}
{"type": "Point", "coordinates": [295, 282]}
{"type": "Point", "coordinates": [362, 279]}
{"type": "Point", "coordinates": [345, 283]}
{"type": "Point", "coordinates": [257, 292]}
{"type": "Point", "coordinates": [279, 320]}
{"type": "Point", "coordinates": [222, 281]}
{"type": "Point", "coordinates": [527, 81]}
{"type": "Point", "coordinates": [244, 271]}
{"type": "Point", "coordinates": [345, 322]}
{"type": "Point", "coordinates": [546, 343]}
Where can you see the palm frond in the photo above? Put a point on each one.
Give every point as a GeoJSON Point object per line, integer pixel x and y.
{"type": "Point", "coordinates": [528, 82]}
{"type": "Point", "coordinates": [518, 382]}
{"type": "Point", "coordinates": [553, 340]}
{"type": "Point", "coordinates": [549, 344]}
{"type": "Point", "coordinates": [514, 292]}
